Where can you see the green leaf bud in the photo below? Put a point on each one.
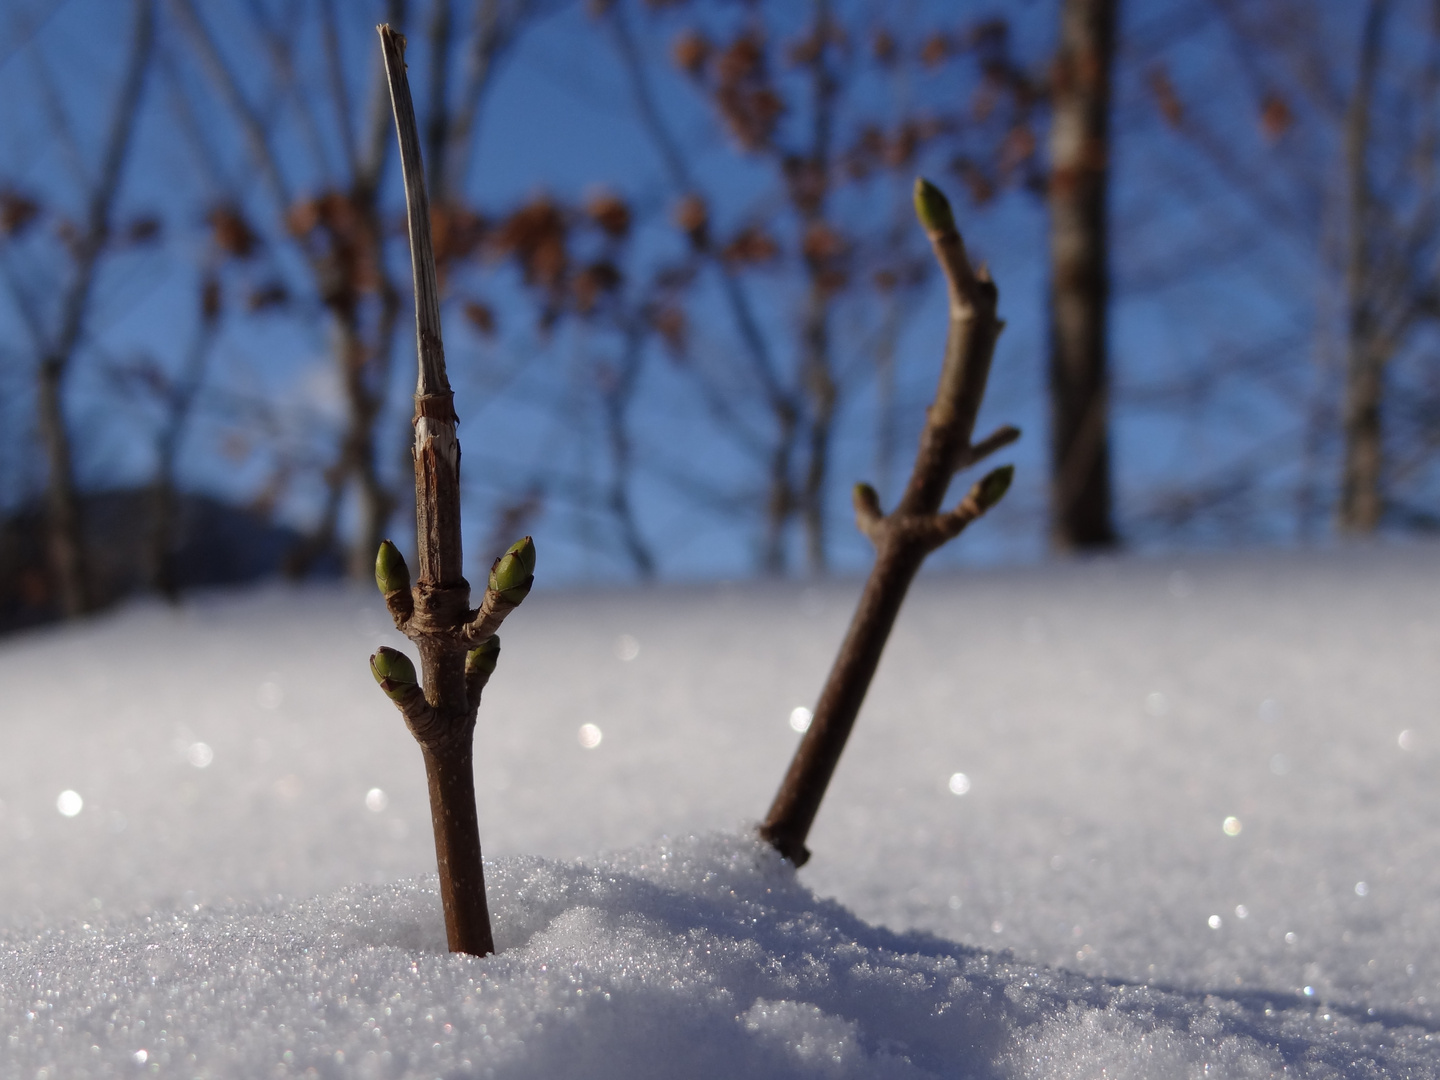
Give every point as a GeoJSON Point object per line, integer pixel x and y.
{"type": "Point", "coordinates": [514, 572]}
{"type": "Point", "coordinates": [393, 671]}
{"type": "Point", "coordinates": [391, 573]}
{"type": "Point", "coordinates": [484, 656]}
{"type": "Point", "coordinates": [993, 485]}
{"type": "Point", "coordinates": [524, 550]}
{"type": "Point", "coordinates": [932, 208]}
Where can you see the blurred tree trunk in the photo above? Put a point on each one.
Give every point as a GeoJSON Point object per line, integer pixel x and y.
{"type": "Point", "coordinates": [1361, 498]}
{"type": "Point", "coordinates": [179, 401]}
{"type": "Point", "coordinates": [1080, 491]}
{"type": "Point", "coordinates": [64, 532]}
{"type": "Point", "coordinates": [617, 395]}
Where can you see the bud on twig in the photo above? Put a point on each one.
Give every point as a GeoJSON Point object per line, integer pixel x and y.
{"type": "Point", "coordinates": [932, 208]}
{"type": "Point", "coordinates": [514, 572]}
{"type": "Point", "coordinates": [482, 660]}
{"type": "Point", "coordinates": [394, 672]}
{"type": "Point", "coordinates": [436, 614]}
{"type": "Point", "coordinates": [391, 573]}
{"type": "Point", "coordinates": [479, 666]}
{"type": "Point", "coordinates": [912, 530]}
{"type": "Point", "coordinates": [392, 577]}
{"type": "Point", "coordinates": [868, 515]}
{"type": "Point", "coordinates": [991, 488]}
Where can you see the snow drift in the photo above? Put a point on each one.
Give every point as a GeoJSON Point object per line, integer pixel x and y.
{"type": "Point", "coordinates": [1120, 818]}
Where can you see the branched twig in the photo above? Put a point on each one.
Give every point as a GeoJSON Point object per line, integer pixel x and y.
{"type": "Point", "coordinates": [915, 528]}
{"type": "Point", "coordinates": [458, 646]}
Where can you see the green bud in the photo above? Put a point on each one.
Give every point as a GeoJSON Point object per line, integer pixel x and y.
{"type": "Point", "coordinates": [932, 208]}
{"type": "Point", "coordinates": [484, 656]}
{"type": "Point", "coordinates": [524, 550]}
{"type": "Point", "coordinates": [391, 573]}
{"type": "Point", "coordinates": [993, 485]}
{"type": "Point", "coordinates": [393, 671]}
{"type": "Point", "coordinates": [514, 572]}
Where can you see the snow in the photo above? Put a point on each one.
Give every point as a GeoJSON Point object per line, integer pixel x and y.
{"type": "Point", "coordinates": [1123, 818]}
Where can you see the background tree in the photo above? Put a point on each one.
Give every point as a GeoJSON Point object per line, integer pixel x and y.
{"type": "Point", "coordinates": [1337, 159]}
{"type": "Point", "coordinates": [334, 212]}
{"type": "Point", "coordinates": [819, 103]}
{"type": "Point", "coordinates": [57, 327]}
{"type": "Point", "coordinates": [1078, 196]}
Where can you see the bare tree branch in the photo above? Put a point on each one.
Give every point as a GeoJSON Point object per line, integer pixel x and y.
{"type": "Point", "coordinates": [905, 537]}
{"type": "Point", "coordinates": [66, 541]}
{"type": "Point", "coordinates": [435, 614]}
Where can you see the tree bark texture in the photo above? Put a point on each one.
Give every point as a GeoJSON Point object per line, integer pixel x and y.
{"type": "Point", "coordinates": [1081, 511]}
{"type": "Point", "coordinates": [1361, 494]}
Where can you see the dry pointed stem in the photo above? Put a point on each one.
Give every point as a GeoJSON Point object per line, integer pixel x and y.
{"type": "Point", "coordinates": [443, 722]}
{"type": "Point", "coordinates": [905, 537]}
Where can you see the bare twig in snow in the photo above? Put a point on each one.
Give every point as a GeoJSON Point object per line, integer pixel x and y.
{"type": "Point", "coordinates": [904, 537]}
{"type": "Point", "coordinates": [458, 646]}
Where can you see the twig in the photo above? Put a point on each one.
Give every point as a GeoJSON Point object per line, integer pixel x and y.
{"type": "Point", "coordinates": [458, 646]}
{"type": "Point", "coordinates": [906, 536]}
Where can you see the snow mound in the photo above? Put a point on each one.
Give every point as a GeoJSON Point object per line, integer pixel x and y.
{"type": "Point", "coordinates": [1122, 818]}
{"type": "Point", "coordinates": [699, 958]}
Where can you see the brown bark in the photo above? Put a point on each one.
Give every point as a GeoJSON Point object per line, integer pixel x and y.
{"type": "Point", "coordinates": [65, 534]}
{"type": "Point", "coordinates": [451, 777]}
{"type": "Point", "coordinates": [1081, 514]}
{"type": "Point", "coordinates": [436, 614]}
{"type": "Point", "coordinates": [907, 535]}
{"type": "Point", "coordinates": [1361, 495]}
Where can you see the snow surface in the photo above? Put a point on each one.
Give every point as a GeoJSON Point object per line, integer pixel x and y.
{"type": "Point", "coordinates": [1195, 834]}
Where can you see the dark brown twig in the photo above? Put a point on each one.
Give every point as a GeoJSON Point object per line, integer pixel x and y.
{"type": "Point", "coordinates": [458, 647]}
{"type": "Point", "coordinates": [906, 536]}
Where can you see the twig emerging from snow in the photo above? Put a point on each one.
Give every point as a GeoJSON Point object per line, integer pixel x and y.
{"type": "Point", "coordinates": [458, 646]}
{"type": "Point", "coordinates": [915, 528]}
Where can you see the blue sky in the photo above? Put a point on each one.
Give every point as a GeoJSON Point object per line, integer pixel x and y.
{"type": "Point", "coordinates": [561, 119]}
